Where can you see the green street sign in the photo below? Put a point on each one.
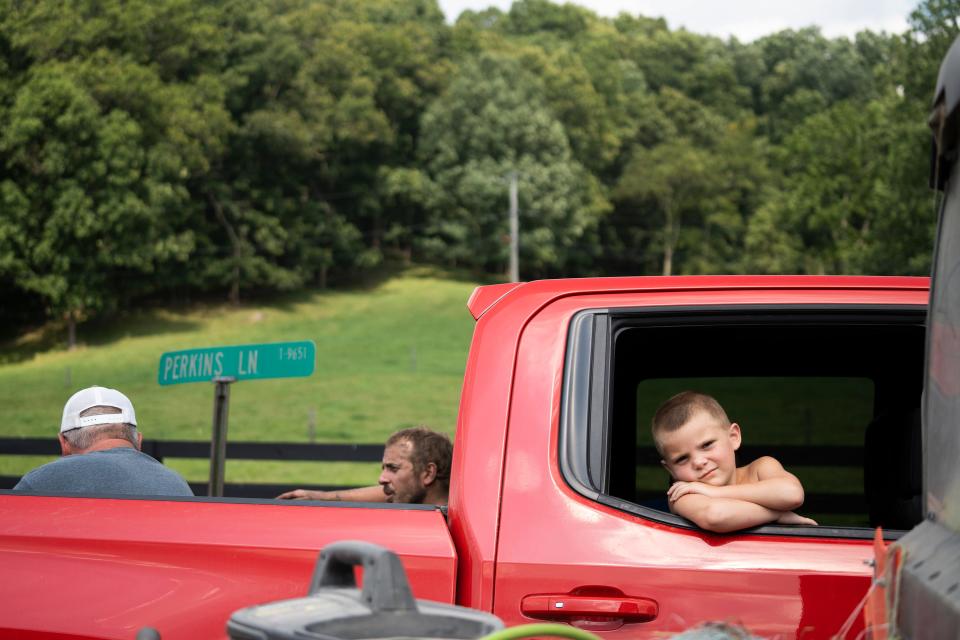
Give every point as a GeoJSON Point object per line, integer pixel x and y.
{"type": "Point", "coordinates": [242, 362]}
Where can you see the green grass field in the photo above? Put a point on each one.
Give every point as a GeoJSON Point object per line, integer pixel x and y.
{"type": "Point", "coordinates": [388, 356]}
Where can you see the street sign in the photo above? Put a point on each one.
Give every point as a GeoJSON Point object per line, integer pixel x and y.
{"type": "Point", "coordinates": [241, 362]}
{"type": "Point", "coordinates": [226, 365]}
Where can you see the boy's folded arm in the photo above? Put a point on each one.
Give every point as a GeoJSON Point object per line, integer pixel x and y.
{"type": "Point", "coordinates": [722, 515]}
{"type": "Point", "coordinates": [779, 494]}
{"type": "Point", "coordinates": [776, 488]}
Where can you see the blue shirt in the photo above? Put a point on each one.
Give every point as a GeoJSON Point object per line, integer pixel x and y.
{"type": "Point", "coordinates": [121, 470]}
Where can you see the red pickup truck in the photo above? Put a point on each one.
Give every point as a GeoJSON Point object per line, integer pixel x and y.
{"type": "Point", "coordinates": [556, 509]}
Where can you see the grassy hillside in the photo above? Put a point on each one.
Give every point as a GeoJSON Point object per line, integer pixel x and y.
{"type": "Point", "coordinates": [387, 357]}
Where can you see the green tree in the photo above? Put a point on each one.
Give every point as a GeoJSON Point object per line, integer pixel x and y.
{"type": "Point", "coordinates": [83, 198]}
{"type": "Point", "coordinates": [105, 126]}
{"type": "Point", "coordinates": [934, 25]}
{"type": "Point", "coordinates": [590, 86]}
{"type": "Point", "coordinates": [854, 199]}
{"type": "Point", "coordinates": [493, 121]}
{"type": "Point", "coordinates": [805, 73]}
{"type": "Point", "coordinates": [701, 67]}
{"type": "Point", "coordinates": [666, 188]}
{"type": "Point", "coordinates": [377, 64]}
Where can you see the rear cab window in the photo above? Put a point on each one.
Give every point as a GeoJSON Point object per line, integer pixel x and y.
{"type": "Point", "coordinates": [833, 392]}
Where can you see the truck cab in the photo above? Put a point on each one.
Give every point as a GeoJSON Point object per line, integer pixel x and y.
{"type": "Point", "coordinates": [824, 373]}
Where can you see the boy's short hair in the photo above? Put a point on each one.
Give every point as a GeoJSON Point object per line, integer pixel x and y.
{"type": "Point", "coordinates": [678, 410]}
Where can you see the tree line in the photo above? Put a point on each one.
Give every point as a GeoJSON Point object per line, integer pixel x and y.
{"type": "Point", "coordinates": [157, 149]}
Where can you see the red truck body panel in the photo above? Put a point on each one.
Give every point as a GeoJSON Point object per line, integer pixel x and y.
{"type": "Point", "coordinates": [104, 568]}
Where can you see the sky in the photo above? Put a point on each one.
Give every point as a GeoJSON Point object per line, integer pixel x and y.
{"type": "Point", "coordinates": [745, 19]}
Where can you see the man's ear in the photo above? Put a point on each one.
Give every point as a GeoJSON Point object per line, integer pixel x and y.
{"type": "Point", "coordinates": [429, 474]}
{"type": "Point", "coordinates": [139, 440]}
{"type": "Point", "coordinates": [735, 436]}
{"type": "Point", "coordinates": [65, 448]}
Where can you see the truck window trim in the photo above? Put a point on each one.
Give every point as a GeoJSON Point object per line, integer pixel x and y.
{"type": "Point", "coordinates": [586, 390]}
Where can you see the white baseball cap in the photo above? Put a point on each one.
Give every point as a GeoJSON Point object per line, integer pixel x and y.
{"type": "Point", "coordinates": [96, 397]}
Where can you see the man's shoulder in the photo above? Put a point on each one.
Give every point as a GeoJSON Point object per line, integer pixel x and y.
{"type": "Point", "coordinates": [67, 463]}
{"type": "Point", "coordinates": [51, 472]}
{"type": "Point", "coordinates": [116, 470]}
{"type": "Point", "coordinates": [60, 463]}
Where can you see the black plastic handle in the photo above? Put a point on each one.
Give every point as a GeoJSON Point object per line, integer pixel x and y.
{"type": "Point", "coordinates": [385, 586]}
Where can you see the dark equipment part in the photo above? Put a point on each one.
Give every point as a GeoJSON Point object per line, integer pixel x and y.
{"type": "Point", "coordinates": [335, 609]}
{"type": "Point", "coordinates": [927, 603]}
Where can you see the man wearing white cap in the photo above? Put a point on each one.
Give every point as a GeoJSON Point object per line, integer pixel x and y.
{"type": "Point", "coordinates": [101, 452]}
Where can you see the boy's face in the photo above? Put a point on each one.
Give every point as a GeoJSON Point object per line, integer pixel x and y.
{"type": "Point", "coordinates": [702, 450]}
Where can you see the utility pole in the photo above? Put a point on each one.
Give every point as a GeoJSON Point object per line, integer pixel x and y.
{"type": "Point", "coordinates": [514, 230]}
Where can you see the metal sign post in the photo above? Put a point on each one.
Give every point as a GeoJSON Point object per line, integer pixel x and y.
{"type": "Point", "coordinates": [218, 444]}
{"type": "Point", "coordinates": [225, 365]}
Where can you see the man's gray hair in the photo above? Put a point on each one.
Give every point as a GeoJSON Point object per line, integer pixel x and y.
{"type": "Point", "coordinates": [86, 437]}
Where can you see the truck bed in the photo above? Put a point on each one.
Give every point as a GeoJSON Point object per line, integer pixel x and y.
{"type": "Point", "coordinates": [184, 565]}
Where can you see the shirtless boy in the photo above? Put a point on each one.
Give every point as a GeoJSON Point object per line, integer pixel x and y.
{"type": "Point", "coordinates": [697, 443]}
